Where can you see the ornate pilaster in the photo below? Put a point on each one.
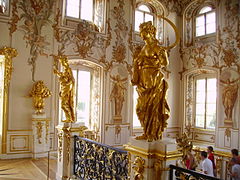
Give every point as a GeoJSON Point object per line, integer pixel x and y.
{"type": "Point", "coordinates": [41, 135]}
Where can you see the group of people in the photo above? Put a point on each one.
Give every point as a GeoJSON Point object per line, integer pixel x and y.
{"type": "Point", "coordinates": [208, 165]}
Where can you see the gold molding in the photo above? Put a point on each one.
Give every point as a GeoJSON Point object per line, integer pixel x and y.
{"type": "Point", "coordinates": [41, 119]}
{"type": "Point", "coordinates": [11, 130]}
{"type": "Point", "coordinates": [25, 148]}
{"type": "Point", "coordinates": [8, 54]}
{"type": "Point", "coordinates": [154, 154]}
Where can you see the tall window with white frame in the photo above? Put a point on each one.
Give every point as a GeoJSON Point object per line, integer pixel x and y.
{"type": "Point", "coordinates": [143, 13]}
{"type": "Point", "coordinates": [205, 102]}
{"type": "Point", "coordinates": [83, 96]}
{"type": "Point", "coordinates": [80, 9]}
{"type": "Point", "coordinates": [205, 21]}
{"type": "Point", "coordinates": [3, 6]}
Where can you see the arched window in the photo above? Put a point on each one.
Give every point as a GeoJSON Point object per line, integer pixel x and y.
{"type": "Point", "coordinates": [143, 13]}
{"type": "Point", "coordinates": [89, 10]}
{"type": "Point", "coordinates": [88, 90]}
{"type": "Point", "coordinates": [205, 101]}
{"type": "Point", "coordinates": [81, 9]}
{"type": "Point", "coordinates": [205, 21]}
{"type": "Point", "coordinates": [3, 6]}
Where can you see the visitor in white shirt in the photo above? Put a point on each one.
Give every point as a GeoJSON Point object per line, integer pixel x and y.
{"type": "Point", "coordinates": [207, 166]}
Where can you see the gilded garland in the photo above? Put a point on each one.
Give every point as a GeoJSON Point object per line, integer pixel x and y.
{"type": "Point", "coordinates": [152, 108]}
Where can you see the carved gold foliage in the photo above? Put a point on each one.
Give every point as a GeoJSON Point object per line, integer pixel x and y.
{"type": "Point", "coordinates": [47, 133]}
{"type": "Point", "coordinates": [228, 133]}
{"type": "Point", "coordinates": [39, 92]}
{"type": "Point", "coordinates": [8, 53]}
{"type": "Point", "coordinates": [60, 144]}
{"type": "Point", "coordinates": [35, 15]}
{"type": "Point", "coordinates": [14, 19]}
{"type": "Point", "coordinates": [138, 167]}
{"type": "Point", "coordinates": [158, 167]}
{"type": "Point", "coordinates": [185, 145]}
{"type": "Point", "coordinates": [39, 127]}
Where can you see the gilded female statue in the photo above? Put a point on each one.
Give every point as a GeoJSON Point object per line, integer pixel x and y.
{"type": "Point", "coordinates": [39, 91]}
{"type": "Point", "coordinates": [229, 97]}
{"type": "Point", "coordinates": [66, 88]}
{"type": "Point", "coordinates": [152, 108]}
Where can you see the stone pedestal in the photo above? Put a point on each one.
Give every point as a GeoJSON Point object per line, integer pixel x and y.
{"type": "Point", "coordinates": [66, 132]}
{"type": "Point", "coordinates": [150, 160]}
{"type": "Point", "coordinates": [41, 135]}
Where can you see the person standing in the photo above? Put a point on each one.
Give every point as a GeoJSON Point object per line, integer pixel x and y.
{"type": "Point", "coordinates": [207, 166]}
{"type": "Point", "coordinates": [235, 171]}
{"type": "Point", "coordinates": [211, 157]}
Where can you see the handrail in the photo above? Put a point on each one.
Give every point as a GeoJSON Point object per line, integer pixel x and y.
{"type": "Point", "coordinates": [190, 172]}
{"type": "Point", "coordinates": [93, 160]}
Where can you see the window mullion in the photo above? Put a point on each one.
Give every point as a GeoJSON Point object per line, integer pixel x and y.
{"type": "Point", "coordinates": [80, 3]}
{"type": "Point", "coordinates": [205, 112]}
{"type": "Point", "coordinates": [205, 23]}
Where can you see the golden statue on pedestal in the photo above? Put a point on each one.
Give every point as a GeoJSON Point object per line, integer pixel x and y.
{"type": "Point", "coordinates": [67, 83]}
{"type": "Point", "coordinates": [152, 108]}
{"type": "Point", "coordinates": [39, 92]}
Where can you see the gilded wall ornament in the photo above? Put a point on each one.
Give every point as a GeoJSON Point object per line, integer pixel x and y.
{"type": "Point", "coordinates": [14, 19]}
{"type": "Point", "coordinates": [185, 146]}
{"type": "Point", "coordinates": [67, 83]}
{"type": "Point", "coordinates": [39, 127]}
{"type": "Point", "coordinates": [39, 92]}
{"type": "Point", "coordinates": [35, 15]}
{"type": "Point", "coordinates": [138, 167]}
{"type": "Point", "coordinates": [60, 144]}
{"type": "Point", "coordinates": [228, 133]}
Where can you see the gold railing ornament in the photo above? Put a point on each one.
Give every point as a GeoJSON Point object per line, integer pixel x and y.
{"type": "Point", "coordinates": [67, 84]}
{"type": "Point", "coordinates": [138, 167]}
{"type": "Point", "coordinates": [39, 92]}
{"type": "Point", "coordinates": [152, 108]}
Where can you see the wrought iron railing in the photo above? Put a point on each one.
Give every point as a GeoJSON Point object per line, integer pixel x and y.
{"type": "Point", "coordinates": [96, 161]}
{"type": "Point", "coordinates": [181, 173]}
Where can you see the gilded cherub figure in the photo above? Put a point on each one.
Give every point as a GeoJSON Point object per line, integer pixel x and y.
{"type": "Point", "coordinates": [152, 108]}
{"type": "Point", "coordinates": [67, 84]}
{"type": "Point", "coordinates": [39, 92]}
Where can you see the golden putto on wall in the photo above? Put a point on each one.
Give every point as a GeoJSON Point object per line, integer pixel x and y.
{"type": "Point", "coordinates": [152, 108]}
{"type": "Point", "coordinates": [39, 92]}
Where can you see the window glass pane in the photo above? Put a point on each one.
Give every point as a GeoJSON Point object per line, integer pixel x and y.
{"type": "Point", "coordinates": [210, 121]}
{"type": "Point", "coordinates": [205, 9]}
{"type": "Point", "coordinates": [201, 84]}
{"type": "Point", "coordinates": [210, 17]}
{"type": "Point", "coordinates": [87, 10]}
{"type": "Point", "coordinates": [148, 17]}
{"type": "Point", "coordinates": [200, 109]}
{"type": "Point", "coordinates": [211, 109]}
{"type": "Point", "coordinates": [200, 31]}
{"type": "Point", "coordinates": [136, 122]}
{"type": "Point", "coordinates": [138, 19]}
{"type": "Point", "coordinates": [144, 8]}
{"type": "Point", "coordinates": [73, 8]}
{"type": "Point", "coordinates": [83, 99]}
{"type": "Point", "coordinates": [210, 28]}
{"type": "Point", "coordinates": [211, 90]}
{"type": "Point", "coordinates": [3, 6]}
{"type": "Point", "coordinates": [200, 121]}
{"type": "Point", "coordinates": [200, 21]}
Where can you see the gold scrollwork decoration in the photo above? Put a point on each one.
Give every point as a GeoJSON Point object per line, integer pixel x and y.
{"type": "Point", "coordinates": [60, 144]}
{"type": "Point", "coordinates": [138, 167]}
{"type": "Point", "coordinates": [39, 127]}
{"type": "Point", "coordinates": [47, 133]}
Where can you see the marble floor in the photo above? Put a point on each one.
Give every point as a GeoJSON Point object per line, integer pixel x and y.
{"type": "Point", "coordinates": [28, 169]}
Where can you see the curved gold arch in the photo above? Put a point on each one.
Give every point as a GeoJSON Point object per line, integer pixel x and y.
{"type": "Point", "coordinates": [8, 54]}
{"type": "Point", "coordinates": [176, 33]}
